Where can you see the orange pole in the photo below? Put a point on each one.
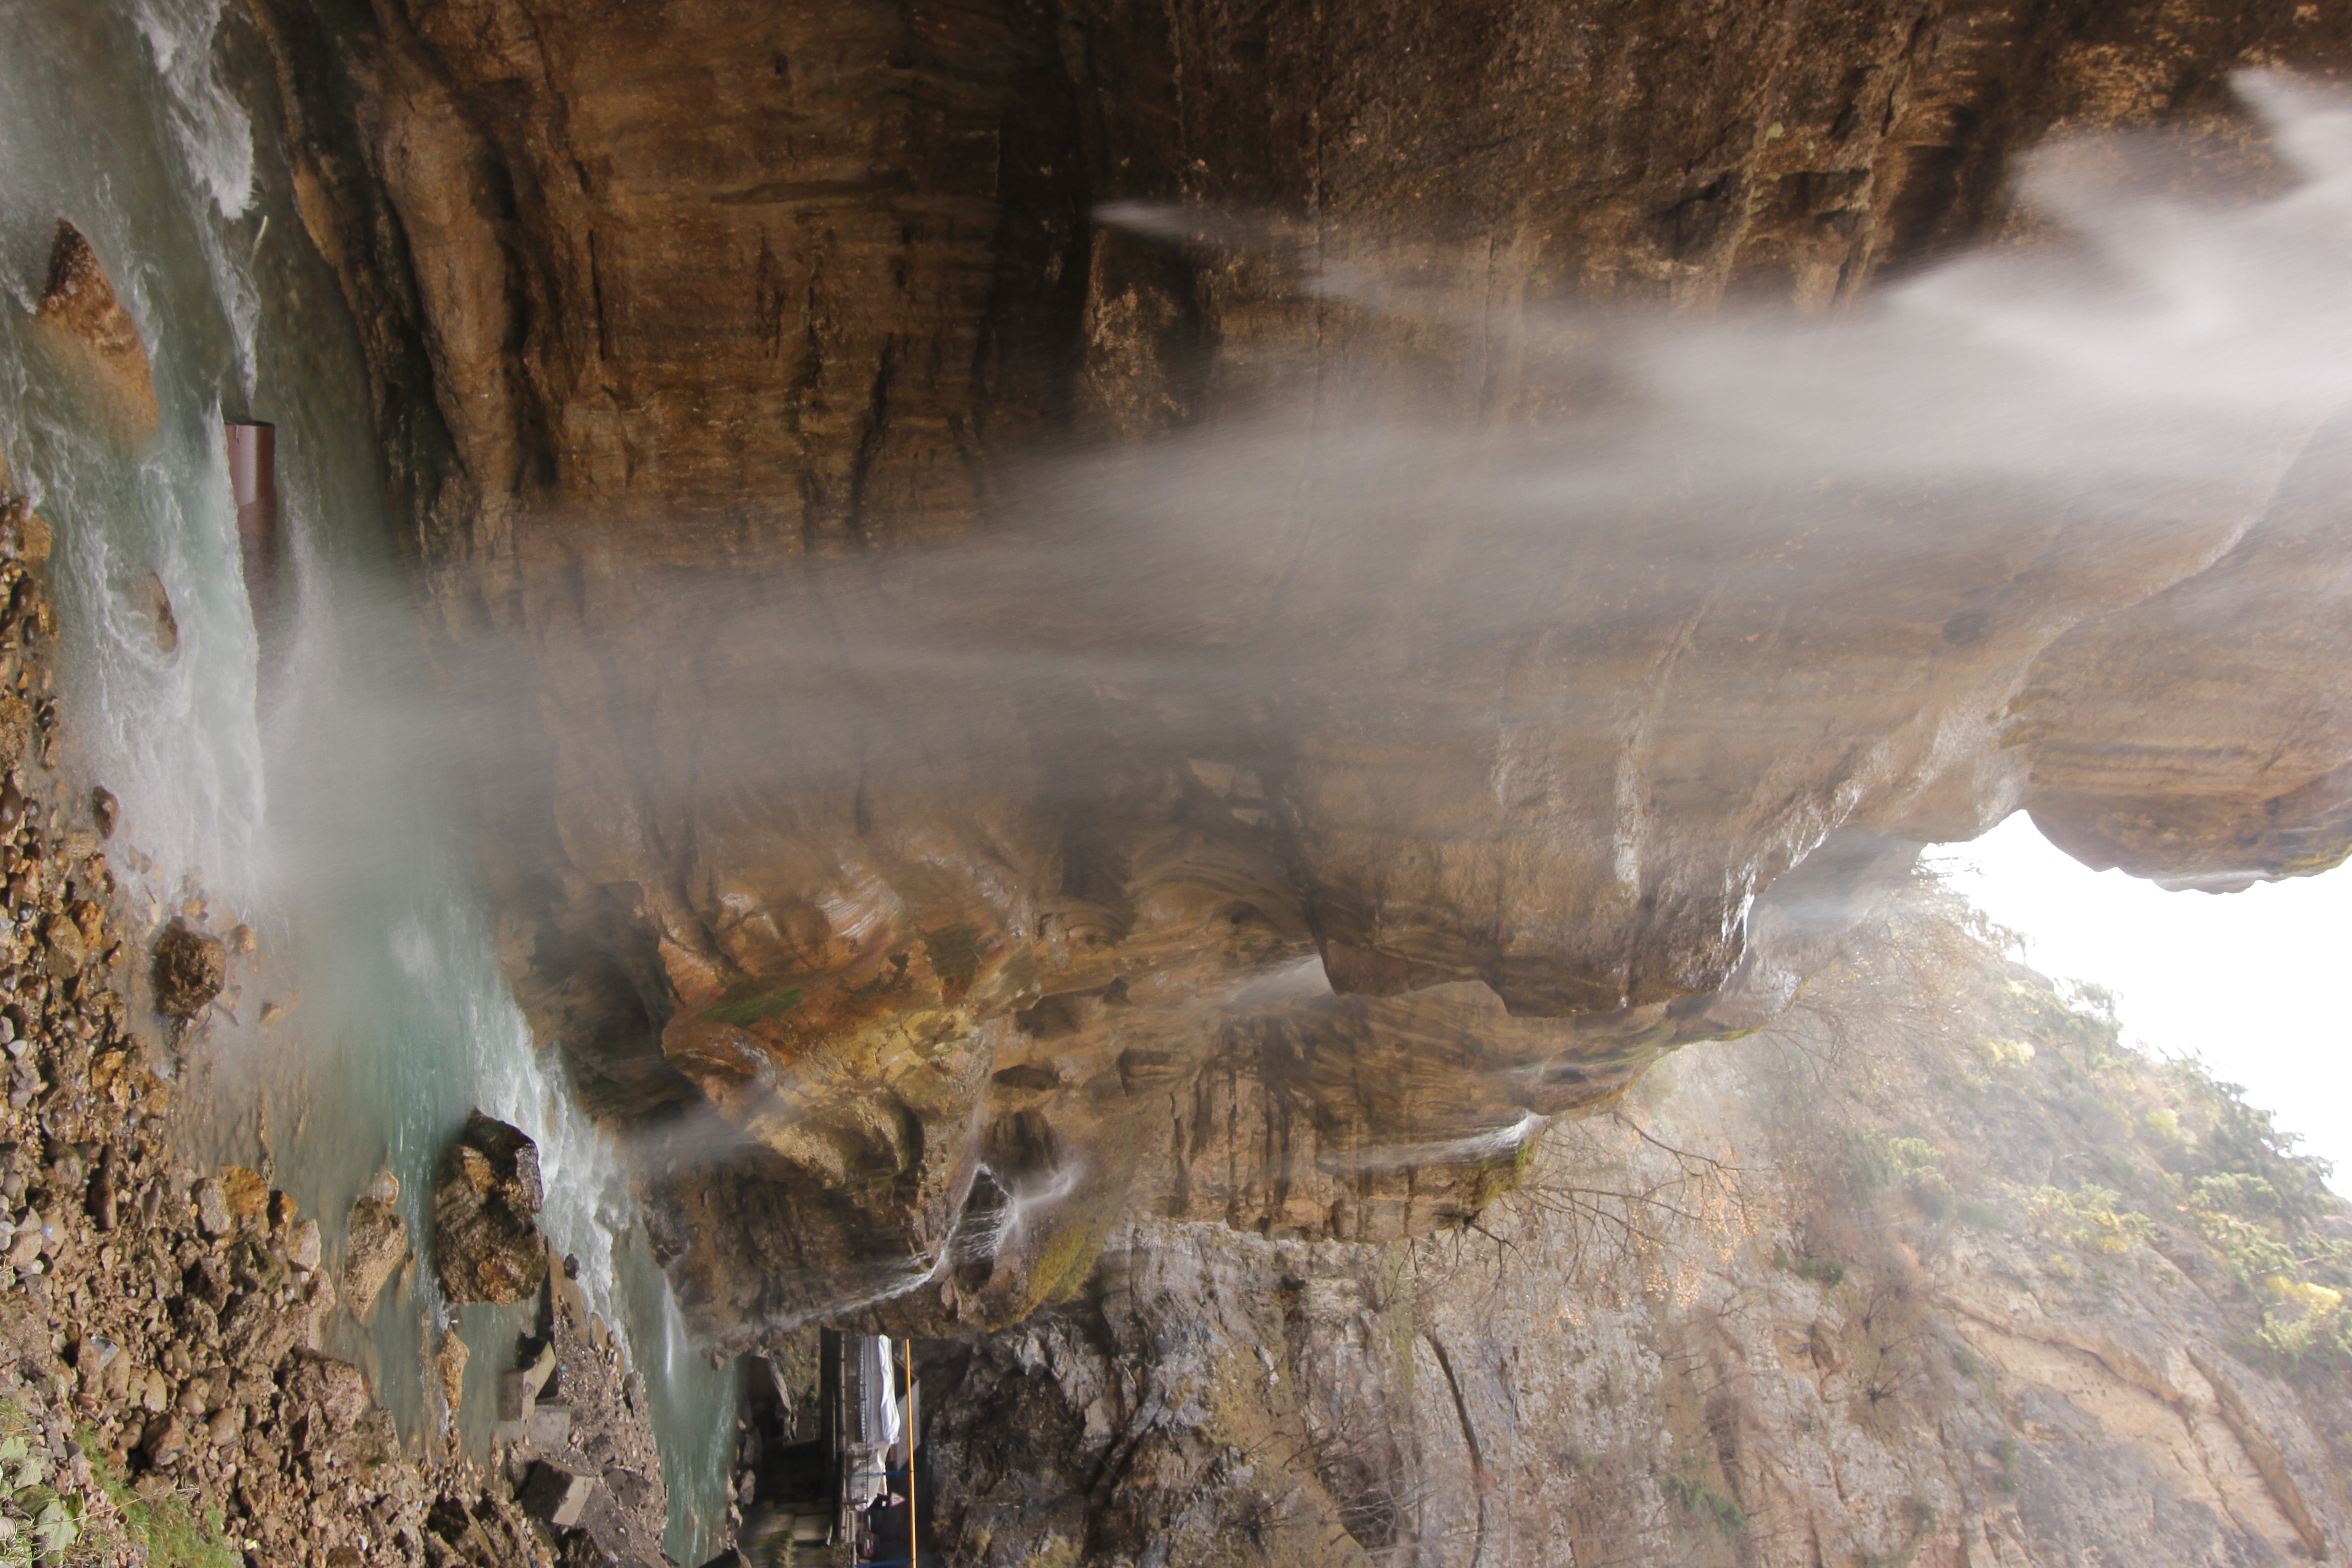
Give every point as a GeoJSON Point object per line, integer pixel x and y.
{"type": "Point", "coordinates": [914, 1551]}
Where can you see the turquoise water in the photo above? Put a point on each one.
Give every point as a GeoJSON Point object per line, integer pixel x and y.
{"type": "Point", "coordinates": [315, 817]}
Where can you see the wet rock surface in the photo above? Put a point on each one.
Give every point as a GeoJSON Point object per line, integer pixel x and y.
{"type": "Point", "coordinates": [486, 1242]}
{"type": "Point", "coordinates": [190, 968]}
{"type": "Point", "coordinates": [97, 344]}
{"type": "Point", "coordinates": [375, 1242]}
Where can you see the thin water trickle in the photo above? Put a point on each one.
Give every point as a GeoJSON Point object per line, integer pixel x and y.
{"type": "Point", "coordinates": [309, 816]}
{"type": "Point", "coordinates": [1474, 1148]}
{"type": "Point", "coordinates": [1001, 1223]}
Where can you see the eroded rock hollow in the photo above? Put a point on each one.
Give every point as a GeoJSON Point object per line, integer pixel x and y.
{"type": "Point", "coordinates": [1075, 613]}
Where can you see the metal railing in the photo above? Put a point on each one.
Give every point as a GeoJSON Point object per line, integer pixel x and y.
{"type": "Point", "coordinates": [850, 1414]}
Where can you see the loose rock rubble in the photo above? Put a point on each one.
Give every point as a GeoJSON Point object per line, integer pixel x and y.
{"type": "Point", "coordinates": [160, 1329]}
{"type": "Point", "coordinates": [584, 1461]}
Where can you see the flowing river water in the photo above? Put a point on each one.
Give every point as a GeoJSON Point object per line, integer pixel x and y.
{"type": "Point", "coordinates": [292, 807]}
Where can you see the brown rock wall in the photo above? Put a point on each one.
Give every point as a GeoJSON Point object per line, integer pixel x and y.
{"type": "Point", "coordinates": [2184, 738]}
{"type": "Point", "coordinates": [721, 271]}
{"type": "Point", "coordinates": [825, 783]}
{"type": "Point", "coordinates": [1729, 1325]}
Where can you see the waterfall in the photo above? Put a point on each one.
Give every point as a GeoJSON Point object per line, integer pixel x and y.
{"type": "Point", "coordinates": [301, 811]}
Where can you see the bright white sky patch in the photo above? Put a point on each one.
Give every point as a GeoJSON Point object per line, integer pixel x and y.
{"type": "Point", "coordinates": [2246, 981]}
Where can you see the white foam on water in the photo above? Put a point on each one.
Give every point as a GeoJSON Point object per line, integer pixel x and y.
{"type": "Point", "coordinates": [213, 136]}
{"type": "Point", "coordinates": [211, 129]}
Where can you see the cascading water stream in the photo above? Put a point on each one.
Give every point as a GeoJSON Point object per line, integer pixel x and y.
{"type": "Point", "coordinates": [298, 811]}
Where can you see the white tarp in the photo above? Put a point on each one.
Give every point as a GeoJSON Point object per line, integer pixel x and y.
{"type": "Point", "coordinates": [879, 1407]}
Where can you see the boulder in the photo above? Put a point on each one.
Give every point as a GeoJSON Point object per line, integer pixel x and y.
{"type": "Point", "coordinates": [619, 1535]}
{"type": "Point", "coordinates": [246, 1192]}
{"type": "Point", "coordinates": [557, 1495]}
{"type": "Point", "coordinates": [548, 1427]}
{"type": "Point", "coordinates": [633, 1491]}
{"type": "Point", "coordinates": [104, 1199]}
{"type": "Point", "coordinates": [15, 737]}
{"type": "Point", "coordinates": [315, 1304]}
{"type": "Point", "coordinates": [155, 608]}
{"type": "Point", "coordinates": [377, 1244]}
{"type": "Point", "coordinates": [486, 1245]}
{"type": "Point", "coordinates": [302, 1246]}
{"type": "Point", "coordinates": [226, 1425]}
{"type": "Point", "coordinates": [67, 950]}
{"type": "Point", "coordinates": [541, 1368]}
{"type": "Point", "coordinates": [24, 534]}
{"type": "Point", "coordinates": [164, 1442]}
{"type": "Point", "coordinates": [515, 1397]}
{"type": "Point", "coordinates": [255, 1333]}
{"type": "Point", "coordinates": [190, 969]}
{"type": "Point", "coordinates": [83, 324]}
{"type": "Point", "coordinates": [337, 1388]}
{"type": "Point", "coordinates": [214, 1216]}
{"type": "Point", "coordinates": [449, 1366]}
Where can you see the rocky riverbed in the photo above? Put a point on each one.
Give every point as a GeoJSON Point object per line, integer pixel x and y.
{"type": "Point", "coordinates": [164, 1396]}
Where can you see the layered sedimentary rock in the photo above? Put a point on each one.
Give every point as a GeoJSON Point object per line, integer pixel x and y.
{"type": "Point", "coordinates": [2150, 723]}
{"type": "Point", "coordinates": [895, 839]}
{"type": "Point", "coordinates": [1929, 1272]}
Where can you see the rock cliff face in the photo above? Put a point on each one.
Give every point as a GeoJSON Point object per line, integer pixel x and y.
{"type": "Point", "coordinates": [1929, 1272]}
{"type": "Point", "coordinates": [1259, 827]}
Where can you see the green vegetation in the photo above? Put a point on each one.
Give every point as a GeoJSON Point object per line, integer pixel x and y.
{"type": "Point", "coordinates": [37, 1520]}
{"type": "Point", "coordinates": [2091, 1219]}
{"type": "Point", "coordinates": [2255, 1202]}
{"type": "Point", "coordinates": [745, 1011]}
{"type": "Point", "coordinates": [1997, 1055]}
{"type": "Point", "coordinates": [1398, 1313]}
{"type": "Point", "coordinates": [2174, 1160]}
{"type": "Point", "coordinates": [1871, 1163]}
{"type": "Point", "coordinates": [1078, 1227]}
{"type": "Point", "coordinates": [173, 1539]}
{"type": "Point", "coordinates": [2005, 1481]}
{"type": "Point", "coordinates": [1826, 1272]}
{"type": "Point", "coordinates": [2210, 1160]}
{"type": "Point", "coordinates": [1703, 1507]}
{"type": "Point", "coordinates": [107, 1521]}
{"type": "Point", "coordinates": [1984, 1216]}
{"type": "Point", "coordinates": [2205, 1162]}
